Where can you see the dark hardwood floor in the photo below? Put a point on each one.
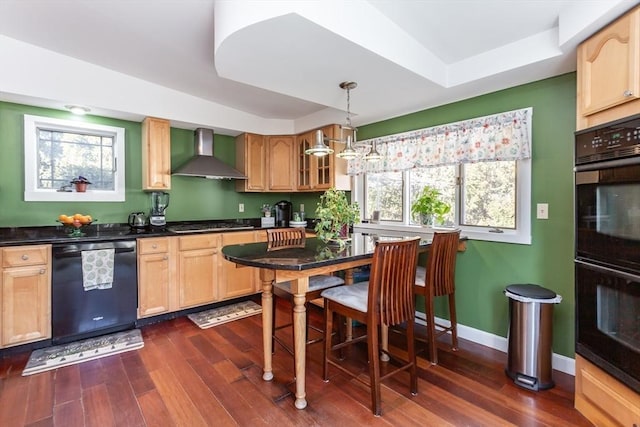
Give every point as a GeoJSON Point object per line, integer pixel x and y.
{"type": "Point", "coordinates": [185, 376]}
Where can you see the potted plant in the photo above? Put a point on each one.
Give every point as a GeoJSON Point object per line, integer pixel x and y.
{"type": "Point", "coordinates": [334, 216]}
{"type": "Point", "coordinates": [429, 206]}
{"type": "Point", "coordinates": [266, 210]}
{"type": "Point", "coordinates": [81, 183]}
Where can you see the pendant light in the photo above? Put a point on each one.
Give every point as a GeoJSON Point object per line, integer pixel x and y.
{"type": "Point", "coordinates": [373, 155]}
{"type": "Point", "coordinates": [348, 153]}
{"type": "Point", "coordinates": [319, 148]}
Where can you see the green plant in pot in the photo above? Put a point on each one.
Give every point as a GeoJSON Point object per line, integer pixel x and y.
{"type": "Point", "coordinates": [429, 207]}
{"type": "Point", "coordinates": [334, 215]}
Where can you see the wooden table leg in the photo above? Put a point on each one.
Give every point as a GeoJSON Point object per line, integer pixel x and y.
{"type": "Point", "coordinates": [267, 276]}
{"type": "Point", "coordinates": [299, 333]}
{"type": "Point", "coordinates": [348, 280]}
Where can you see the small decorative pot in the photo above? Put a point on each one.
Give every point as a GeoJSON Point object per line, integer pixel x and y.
{"type": "Point", "coordinates": [81, 187]}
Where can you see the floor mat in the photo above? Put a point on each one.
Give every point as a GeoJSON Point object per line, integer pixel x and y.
{"type": "Point", "coordinates": [81, 351]}
{"type": "Point", "coordinates": [228, 313]}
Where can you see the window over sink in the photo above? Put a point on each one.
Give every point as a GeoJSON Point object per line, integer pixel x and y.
{"type": "Point", "coordinates": [58, 151]}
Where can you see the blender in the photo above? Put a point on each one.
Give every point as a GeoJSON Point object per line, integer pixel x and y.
{"type": "Point", "coordinates": [159, 203]}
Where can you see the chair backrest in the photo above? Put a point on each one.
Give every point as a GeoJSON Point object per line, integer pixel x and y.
{"type": "Point", "coordinates": [285, 238]}
{"type": "Point", "coordinates": [393, 273]}
{"type": "Point", "coordinates": [441, 263]}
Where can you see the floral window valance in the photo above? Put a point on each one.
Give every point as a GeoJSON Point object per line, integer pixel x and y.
{"type": "Point", "coordinates": [504, 136]}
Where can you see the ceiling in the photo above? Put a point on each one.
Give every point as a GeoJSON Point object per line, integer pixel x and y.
{"type": "Point", "coordinates": [275, 66]}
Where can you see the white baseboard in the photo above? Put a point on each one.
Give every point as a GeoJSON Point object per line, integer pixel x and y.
{"type": "Point", "coordinates": [559, 362]}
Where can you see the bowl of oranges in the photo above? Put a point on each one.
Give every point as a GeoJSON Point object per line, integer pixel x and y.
{"type": "Point", "coordinates": [75, 223]}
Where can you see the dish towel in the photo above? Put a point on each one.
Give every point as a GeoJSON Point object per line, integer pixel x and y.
{"type": "Point", "coordinates": [97, 269]}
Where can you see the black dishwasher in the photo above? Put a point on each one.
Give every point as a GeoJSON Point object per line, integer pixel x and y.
{"type": "Point", "coordinates": [77, 313]}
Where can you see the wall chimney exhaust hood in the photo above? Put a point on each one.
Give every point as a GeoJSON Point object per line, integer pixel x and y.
{"type": "Point", "coordinates": [203, 164]}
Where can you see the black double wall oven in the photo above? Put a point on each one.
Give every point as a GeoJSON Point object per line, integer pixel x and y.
{"type": "Point", "coordinates": [607, 258]}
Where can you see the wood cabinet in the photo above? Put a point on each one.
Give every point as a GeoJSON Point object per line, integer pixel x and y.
{"type": "Point", "coordinates": [25, 294]}
{"type": "Point", "coordinates": [281, 163]}
{"type": "Point", "coordinates": [608, 72]}
{"type": "Point", "coordinates": [603, 400]}
{"type": "Point", "coordinates": [156, 154]}
{"type": "Point", "coordinates": [197, 269]}
{"type": "Point", "coordinates": [236, 281]}
{"type": "Point", "coordinates": [319, 173]}
{"type": "Point", "coordinates": [251, 160]}
{"type": "Point", "coordinates": [156, 292]}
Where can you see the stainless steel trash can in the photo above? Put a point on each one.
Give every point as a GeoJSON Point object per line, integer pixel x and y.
{"type": "Point", "coordinates": [530, 335]}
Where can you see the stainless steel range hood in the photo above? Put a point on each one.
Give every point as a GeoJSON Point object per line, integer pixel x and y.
{"type": "Point", "coordinates": [203, 164]}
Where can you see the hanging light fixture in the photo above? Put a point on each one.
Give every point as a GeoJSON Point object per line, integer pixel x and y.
{"type": "Point", "coordinates": [319, 148]}
{"type": "Point", "coordinates": [349, 152]}
{"type": "Point", "coordinates": [373, 155]}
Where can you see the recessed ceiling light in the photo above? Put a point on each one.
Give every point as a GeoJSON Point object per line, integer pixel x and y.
{"type": "Point", "coordinates": [78, 110]}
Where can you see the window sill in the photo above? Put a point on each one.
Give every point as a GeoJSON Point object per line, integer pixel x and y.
{"type": "Point", "coordinates": [74, 196]}
{"type": "Point", "coordinates": [472, 233]}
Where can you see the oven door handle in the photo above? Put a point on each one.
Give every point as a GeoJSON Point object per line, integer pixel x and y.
{"type": "Point", "coordinates": [76, 253]}
{"type": "Point", "coordinates": [607, 164]}
{"type": "Point", "coordinates": [621, 274]}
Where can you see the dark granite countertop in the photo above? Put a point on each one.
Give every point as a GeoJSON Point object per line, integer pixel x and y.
{"type": "Point", "coordinates": [11, 236]}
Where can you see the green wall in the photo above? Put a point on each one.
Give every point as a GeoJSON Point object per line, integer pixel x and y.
{"type": "Point", "coordinates": [482, 271]}
{"type": "Point", "coordinates": [486, 268]}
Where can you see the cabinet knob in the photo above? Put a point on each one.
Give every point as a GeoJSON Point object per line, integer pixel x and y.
{"type": "Point", "coordinates": [165, 257]}
{"type": "Point", "coordinates": [42, 271]}
{"type": "Point", "coordinates": [215, 251]}
{"type": "Point", "coordinates": [627, 93]}
{"type": "Point", "coordinates": [154, 246]}
{"type": "Point", "coordinates": [25, 257]}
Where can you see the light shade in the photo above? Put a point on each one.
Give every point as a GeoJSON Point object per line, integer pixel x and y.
{"type": "Point", "coordinates": [348, 153]}
{"type": "Point", "coordinates": [319, 148]}
{"type": "Point", "coordinates": [77, 109]}
{"type": "Point", "coordinates": [373, 155]}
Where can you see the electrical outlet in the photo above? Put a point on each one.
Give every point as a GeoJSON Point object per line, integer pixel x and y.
{"type": "Point", "coordinates": [301, 207]}
{"type": "Point", "coordinates": [542, 211]}
{"type": "Point", "coordinates": [241, 207]}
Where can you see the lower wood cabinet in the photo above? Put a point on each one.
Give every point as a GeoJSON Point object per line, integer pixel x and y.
{"type": "Point", "coordinates": [25, 294]}
{"type": "Point", "coordinates": [237, 281]}
{"type": "Point", "coordinates": [179, 272]}
{"type": "Point", "coordinates": [602, 399]}
{"type": "Point", "coordinates": [197, 269]}
{"type": "Point", "coordinates": [155, 277]}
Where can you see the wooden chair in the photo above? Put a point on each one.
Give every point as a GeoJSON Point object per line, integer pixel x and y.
{"type": "Point", "coordinates": [386, 300]}
{"type": "Point", "coordinates": [291, 238]}
{"type": "Point", "coordinates": [438, 279]}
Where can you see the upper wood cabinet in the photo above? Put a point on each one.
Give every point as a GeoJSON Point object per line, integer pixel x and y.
{"type": "Point", "coordinates": [608, 72]}
{"type": "Point", "coordinates": [156, 154]}
{"type": "Point", "coordinates": [319, 173]}
{"type": "Point", "coordinates": [281, 163]}
{"type": "Point", "coordinates": [251, 160]}
{"type": "Point", "coordinates": [25, 293]}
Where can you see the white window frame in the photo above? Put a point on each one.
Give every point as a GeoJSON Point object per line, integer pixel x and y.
{"type": "Point", "coordinates": [31, 191]}
{"type": "Point", "coordinates": [520, 235]}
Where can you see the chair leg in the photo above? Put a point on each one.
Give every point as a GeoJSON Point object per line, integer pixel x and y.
{"type": "Point", "coordinates": [328, 327]}
{"type": "Point", "coordinates": [431, 330]}
{"type": "Point", "coordinates": [411, 354]}
{"type": "Point", "coordinates": [374, 367]}
{"type": "Point", "coordinates": [273, 323]}
{"type": "Point", "coordinates": [454, 322]}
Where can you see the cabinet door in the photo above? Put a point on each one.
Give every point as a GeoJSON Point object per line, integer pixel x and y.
{"type": "Point", "coordinates": [156, 154]}
{"type": "Point", "coordinates": [609, 66]}
{"type": "Point", "coordinates": [282, 157]}
{"type": "Point", "coordinates": [303, 165]}
{"type": "Point", "coordinates": [26, 304]}
{"type": "Point", "coordinates": [153, 284]}
{"type": "Point", "coordinates": [251, 159]}
{"type": "Point", "coordinates": [197, 277]}
{"type": "Point", "coordinates": [236, 281]}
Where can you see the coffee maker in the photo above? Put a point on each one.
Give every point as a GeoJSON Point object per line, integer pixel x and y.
{"type": "Point", "coordinates": [159, 203]}
{"type": "Point", "coordinates": [283, 213]}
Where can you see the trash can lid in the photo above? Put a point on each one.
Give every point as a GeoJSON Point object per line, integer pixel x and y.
{"type": "Point", "coordinates": [531, 291]}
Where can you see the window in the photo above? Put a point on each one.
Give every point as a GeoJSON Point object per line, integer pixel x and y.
{"type": "Point", "coordinates": [481, 167]}
{"type": "Point", "coordinates": [56, 151]}
{"type": "Point", "coordinates": [490, 200]}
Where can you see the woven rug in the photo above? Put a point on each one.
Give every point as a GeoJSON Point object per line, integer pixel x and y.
{"type": "Point", "coordinates": [228, 313]}
{"type": "Point", "coordinates": [81, 351]}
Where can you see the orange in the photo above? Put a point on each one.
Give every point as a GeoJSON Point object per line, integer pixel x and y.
{"type": "Point", "coordinates": [69, 220]}
{"type": "Point", "coordinates": [62, 218]}
{"type": "Point", "coordinates": [86, 219]}
{"type": "Point", "coordinates": [78, 216]}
